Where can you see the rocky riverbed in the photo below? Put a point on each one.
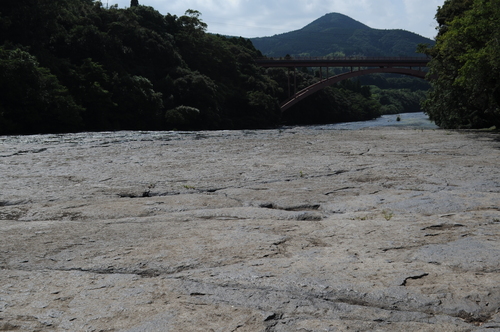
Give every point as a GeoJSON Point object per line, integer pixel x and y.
{"type": "Point", "coordinates": [281, 230]}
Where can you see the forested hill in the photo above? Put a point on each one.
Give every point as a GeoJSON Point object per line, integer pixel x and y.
{"type": "Point", "coordinates": [77, 65]}
{"type": "Point", "coordinates": [338, 34]}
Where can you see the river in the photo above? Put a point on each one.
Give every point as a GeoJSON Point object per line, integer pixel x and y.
{"type": "Point", "coordinates": [413, 120]}
{"type": "Point", "coordinates": [16, 143]}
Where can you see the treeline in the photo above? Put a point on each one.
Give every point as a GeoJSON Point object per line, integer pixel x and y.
{"type": "Point", "coordinates": [465, 65]}
{"type": "Point", "coordinates": [72, 65]}
{"type": "Point", "coordinates": [382, 94]}
{"type": "Point", "coordinates": [397, 93]}
{"type": "Point", "coordinates": [75, 65]}
{"type": "Point", "coordinates": [343, 102]}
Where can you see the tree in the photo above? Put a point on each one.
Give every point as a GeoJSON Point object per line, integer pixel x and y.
{"type": "Point", "coordinates": [33, 100]}
{"type": "Point", "coordinates": [134, 3]}
{"type": "Point", "coordinates": [465, 65]}
{"type": "Point", "coordinates": [68, 65]}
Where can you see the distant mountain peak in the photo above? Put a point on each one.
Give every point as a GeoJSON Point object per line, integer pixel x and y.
{"type": "Point", "coordinates": [334, 21]}
{"type": "Point", "coordinates": [336, 33]}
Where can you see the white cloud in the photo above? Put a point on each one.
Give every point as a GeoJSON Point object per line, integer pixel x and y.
{"type": "Point", "coordinates": [422, 17]}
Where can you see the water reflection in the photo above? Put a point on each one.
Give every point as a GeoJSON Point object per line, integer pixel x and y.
{"type": "Point", "coordinates": [412, 120]}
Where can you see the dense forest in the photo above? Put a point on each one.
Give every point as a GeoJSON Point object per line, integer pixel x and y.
{"type": "Point", "coordinates": [465, 65]}
{"type": "Point", "coordinates": [77, 65]}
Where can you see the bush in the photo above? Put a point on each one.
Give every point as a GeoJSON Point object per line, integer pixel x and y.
{"type": "Point", "coordinates": [182, 117]}
{"type": "Point", "coordinates": [33, 100]}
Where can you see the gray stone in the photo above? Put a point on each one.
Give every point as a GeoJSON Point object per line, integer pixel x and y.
{"type": "Point", "coordinates": [290, 230]}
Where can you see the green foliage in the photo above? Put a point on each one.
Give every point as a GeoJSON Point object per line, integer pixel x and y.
{"type": "Point", "coordinates": [388, 214]}
{"type": "Point", "coordinates": [90, 85]}
{"type": "Point", "coordinates": [140, 103]}
{"type": "Point", "coordinates": [33, 100]}
{"type": "Point", "coordinates": [465, 66]}
{"type": "Point", "coordinates": [183, 117]}
{"type": "Point", "coordinates": [395, 81]}
{"type": "Point", "coordinates": [113, 69]}
{"type": "Point", "coordinates": [337, 34]}
{"type": "Point", "coordinates": [396, 101]}
{"type": "Point", "coordinates": [397, 93]}
{"type": "Point", "coordinates": [259, 104]}
{"type": "Point", "coordinates": [451, 9]}
{"type": "Point", "coordinates": [69, 65]}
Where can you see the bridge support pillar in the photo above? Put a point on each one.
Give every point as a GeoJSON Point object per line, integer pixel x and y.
{"type": "Point", "coordinates": [288, 76]}
{"type": "Point", "coordinates": [294, 82]}
{"type": "Point", "coordinates": [321, 73]}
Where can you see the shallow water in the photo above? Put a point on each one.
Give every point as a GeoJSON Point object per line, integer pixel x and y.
{"type": "Point", "coordinates": [412, 120]}
{"type": "Point", "coordinates": [16, 143]}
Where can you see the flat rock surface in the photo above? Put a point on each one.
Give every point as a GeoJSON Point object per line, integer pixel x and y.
{"type": "Point", "coordinates": [280, 230]}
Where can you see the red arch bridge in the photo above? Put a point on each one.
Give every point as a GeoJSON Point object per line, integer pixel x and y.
{"type": "Point", "coordinates": [412, 66]}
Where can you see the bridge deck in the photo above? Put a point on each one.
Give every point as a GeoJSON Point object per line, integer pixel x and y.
{"type": "Point", "coordinates": [344, 62]}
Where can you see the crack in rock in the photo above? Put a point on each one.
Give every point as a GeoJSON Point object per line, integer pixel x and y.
{"type": "Point", "coordinates": [442, 227]}
{"type": "Point", "coordinates": [333, 305]}
{"type": "Point", "coordinates": [271, 321]}
{"type": "Point", "coordinates": [416, 277]}
{"type": "Point", "coordinates": [300, 207]}
{"type": "Point", "coordinates": [475, 319]}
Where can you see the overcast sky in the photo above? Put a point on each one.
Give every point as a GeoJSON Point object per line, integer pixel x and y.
{"type": "Point", "coordinates": [259, 18]}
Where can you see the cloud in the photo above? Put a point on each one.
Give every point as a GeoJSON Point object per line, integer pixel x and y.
{"type": "Point", "coordinates": [422, 19]}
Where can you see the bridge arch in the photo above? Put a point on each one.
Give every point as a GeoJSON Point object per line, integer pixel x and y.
{"type": "Point", "coordinates": [298, 96]}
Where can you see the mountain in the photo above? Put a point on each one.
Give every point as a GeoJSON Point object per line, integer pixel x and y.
{"type": "Point", "coordinates": [338, 34]}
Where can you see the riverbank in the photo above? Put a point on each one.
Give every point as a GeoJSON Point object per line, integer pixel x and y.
{"type": "Point", "coordinates": [281, 230]}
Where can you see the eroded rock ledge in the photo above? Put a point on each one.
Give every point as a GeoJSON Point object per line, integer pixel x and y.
{"type": "Point", "coordinates": [295, 230]}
